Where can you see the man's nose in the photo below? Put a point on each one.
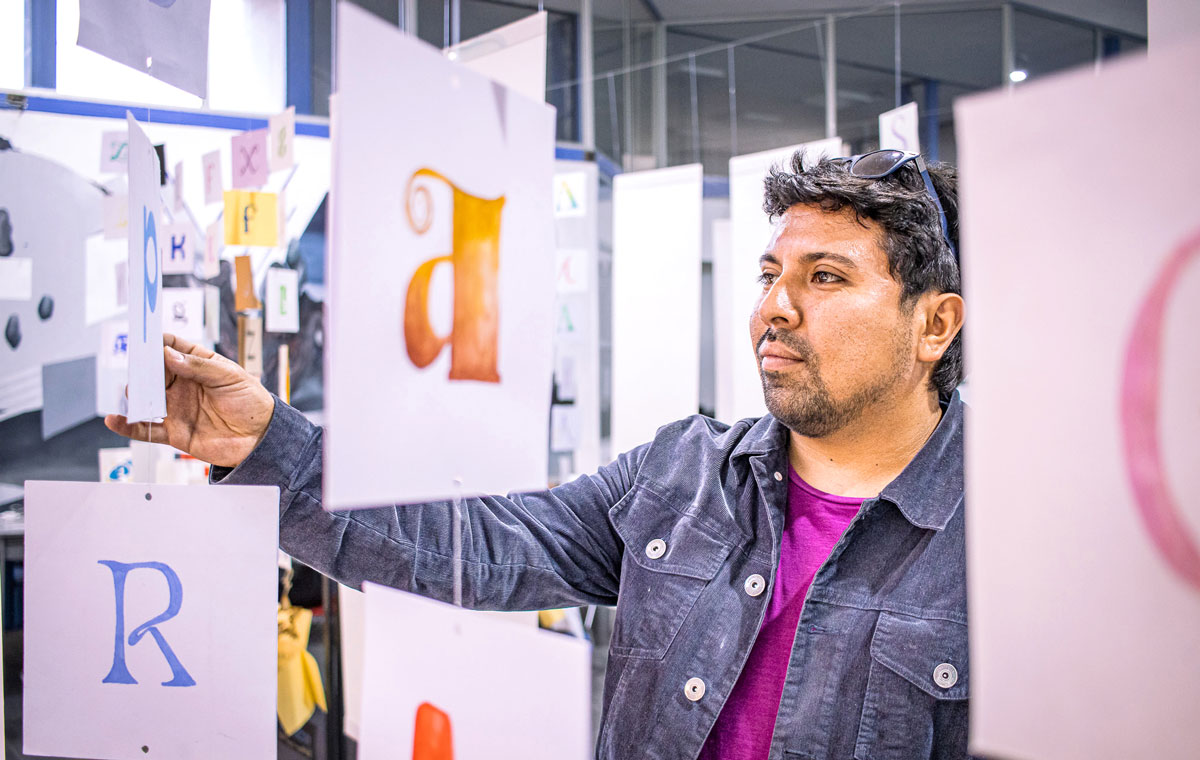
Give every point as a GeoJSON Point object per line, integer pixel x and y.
{"type": "Point", "coordinates": [778, 308]}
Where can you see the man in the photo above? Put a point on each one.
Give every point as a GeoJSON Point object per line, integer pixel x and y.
{"type": "Point", "coordinates": [788, 587]}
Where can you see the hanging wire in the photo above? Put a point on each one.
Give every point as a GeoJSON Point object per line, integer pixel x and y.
{"type": "Point", "coordinates": [897, 55]}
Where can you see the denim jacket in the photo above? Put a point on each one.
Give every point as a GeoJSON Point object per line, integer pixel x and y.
{"type": "Point", "coordinates": [670, 533]}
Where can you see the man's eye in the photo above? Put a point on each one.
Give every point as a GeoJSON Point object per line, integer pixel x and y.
{"type": "Point", "coordinates": [766, 278]}
{"type": "Point", "coordinates": [826, 278]}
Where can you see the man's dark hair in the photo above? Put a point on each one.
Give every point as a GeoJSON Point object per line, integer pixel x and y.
{"type": "Point", "coordinates": [918, 256]}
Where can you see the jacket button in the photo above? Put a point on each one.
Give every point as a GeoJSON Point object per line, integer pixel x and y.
{"type": "Point", "coordinates": [945, 675]}
{"type": "Point", "coordinates": [694, 689]}
{"type": "Point", "coordinates": [778, 475]}
{"type": "Point", "coordinates": [656, 548]}
{"type": "Point", "coordinates": [755, 585]}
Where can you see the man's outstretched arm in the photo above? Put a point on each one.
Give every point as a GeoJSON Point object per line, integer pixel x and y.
{"type": "Point", "coordinates": [549, 548]}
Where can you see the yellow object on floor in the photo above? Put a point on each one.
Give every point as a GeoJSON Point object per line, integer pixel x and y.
{"type": "Point", "coordinates": [300, 688]}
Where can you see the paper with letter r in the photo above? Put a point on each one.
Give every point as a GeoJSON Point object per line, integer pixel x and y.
{"type": "Point", "coordinates": [119, 574]}
{"type": "Point", "coordinates": [147, 384]}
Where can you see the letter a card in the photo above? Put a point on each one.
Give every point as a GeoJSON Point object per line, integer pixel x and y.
{"type": "Point", "coordinates": [150, 625]}
{"type": "Point", "coordinates": [442, 277]}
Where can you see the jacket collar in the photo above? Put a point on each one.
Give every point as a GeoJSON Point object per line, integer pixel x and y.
{"type": "Point", "coordinates": [929, 489]}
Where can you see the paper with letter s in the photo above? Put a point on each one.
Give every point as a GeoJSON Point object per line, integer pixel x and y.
{"type": "Point", "coordinates": [147, 385]}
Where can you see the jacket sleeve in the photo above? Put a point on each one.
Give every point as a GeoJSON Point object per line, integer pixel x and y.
{"type": "Point", "coordinates": [539, 550]}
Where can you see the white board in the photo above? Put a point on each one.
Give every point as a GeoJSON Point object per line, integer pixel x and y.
{"type": "Point", "coordinates": [95, 674]}
{"type": "Point", "coordinates": [507, 690]}
{"type": "Point", "coordinates": [735, 280]}
{"type": "Point", "coordinates": [458, 330]}
{"type": "Point", "coordinates": [656, 301]}
{"type": "Point", "coordinates": [1083, 293]}
{"type": "Point", "coordinates": [147, 233]}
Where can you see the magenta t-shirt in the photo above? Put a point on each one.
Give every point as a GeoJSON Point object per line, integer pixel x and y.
{"type": "Point", "coordinates": [815, 521]}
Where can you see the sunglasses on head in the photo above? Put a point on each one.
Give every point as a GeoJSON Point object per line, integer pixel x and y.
{"type": "Point", "coordinates": [881, 163]}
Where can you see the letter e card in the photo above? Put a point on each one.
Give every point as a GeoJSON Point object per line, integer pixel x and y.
{"type": "Point", "coordinates": [150, 620]}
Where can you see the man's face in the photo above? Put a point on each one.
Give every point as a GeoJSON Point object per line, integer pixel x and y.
{"type": "Point", "coordinates": [830, 334]}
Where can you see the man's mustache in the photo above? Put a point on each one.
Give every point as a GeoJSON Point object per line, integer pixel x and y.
{"type": "Point", "coordinates": [797, 345]}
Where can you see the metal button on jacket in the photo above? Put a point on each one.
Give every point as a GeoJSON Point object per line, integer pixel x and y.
{"type": "Point", "coordinates": [694, 689]}
{"type": "Point", "coordinates": [656, 548]}
{"type": "Point", "coordinates": [755, 585]}
{"type": "Point", "coordinates": [778, 475]}
{"type": "Point", "coordinates": [945, 675]}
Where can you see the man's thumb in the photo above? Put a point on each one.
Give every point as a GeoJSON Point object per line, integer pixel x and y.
{"type": "Point", "coordinates": [203, 371]}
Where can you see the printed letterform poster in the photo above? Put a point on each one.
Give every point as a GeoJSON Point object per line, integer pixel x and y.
{"type": "Point", "coordinates": [150, 625]}
{"type": "Point", "coordinates": [442, 275]}
{"type": "Point", "coordinates": [1083, 297]}
{"type": "Point", "coordinates": [544, 714]}
{"type": "Point", "coordinates": [147, 238]}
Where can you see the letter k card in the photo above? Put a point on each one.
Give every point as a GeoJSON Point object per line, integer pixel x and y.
{"type": "Point", "coordinates": [150, 625]}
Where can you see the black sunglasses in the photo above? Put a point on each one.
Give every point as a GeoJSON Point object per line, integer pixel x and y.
{"type": "Point", "coordinates": [880, 163]}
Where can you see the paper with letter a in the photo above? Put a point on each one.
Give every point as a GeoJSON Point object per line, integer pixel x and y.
{"type": "Point", "coordinates": [1082, 446]}
{"type": "Point", "coordinates": [150, 620]}
{"type": "Point", "coordinates": [412, 704]}
{"type": "Point", "coordinates": [147, 384]}
{"type": "Point", "coordinates": [442, 277]}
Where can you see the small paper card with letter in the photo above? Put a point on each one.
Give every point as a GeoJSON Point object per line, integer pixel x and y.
{"type": "Point", "coordinates": [442, 276]}
{"type": "Point", "coordinates": [283, 300]}
{"type": "Point", "coordinates": [251, 218]}
{"type": "Point", "coordinates": [147, 383]}
{"type": "Point", "coordinates": [282, 130]}
{"type": "Point", "coordinates": [179, 248]}
{"type": "Point", "coordinates": [150, 624]}
{"type": "Point", "coordinates": [250, 158]}
{"type": "Point", "coordinates": [114, 152]}
{"type": "Point", "coordinates": [424, 664]}
{"type": "Point", "coordinates": [214, 185]}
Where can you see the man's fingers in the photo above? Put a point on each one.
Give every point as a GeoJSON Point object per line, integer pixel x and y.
{"type": "Point", "coordinates": [139, 431]}
{"type": "Point", "coordinates": [186, 347]}
{"type": "Point", "coordinates": [213, 371]}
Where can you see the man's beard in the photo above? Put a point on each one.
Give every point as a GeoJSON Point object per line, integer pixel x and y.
{"type": "Point", "coordinates": [805, 406]}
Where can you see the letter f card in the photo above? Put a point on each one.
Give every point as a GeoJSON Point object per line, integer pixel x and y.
{"type": "Point", "coordinates": [150, 623]}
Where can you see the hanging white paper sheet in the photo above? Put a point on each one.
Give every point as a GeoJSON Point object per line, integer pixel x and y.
{"type": "Point", "coordinates": [1083, 294]}
{"type": "Point", "coordinates": [899, 129]}
{"type": "Point", "coordinates": [147, 384]}
{"type": "Point", "coordinates": [656, 301]}
{"type": "Point", "coordinates": [735, 280]}
{"type": "Point", "coordinates": [454, 312]}
{"type": "Point", "coordinates": [112, 367]}
{"type": "Point", "coordinates": [168, 40]}
{"type": "Point", "coordinates": [114, 152]}
{"type": "Point", "coordinates": [214, 182]}
{"type": "Point", "coordinates": [150, 627]}
{"type": "Point", "coordinates": [429, 668]}
{"type": "Point", "coordinates": [513, 55]}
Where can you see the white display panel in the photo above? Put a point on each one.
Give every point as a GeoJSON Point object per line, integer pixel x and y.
{"type": "Point", "coordinates": [150, 626]}
{"type": "Point", "coordinates": [750, 231]}
{"type": "Point", "coordinates": [656, 301]}
{"type": "Point", "coordinates": [436, 675]}
{"type": "Point", "coordinates": [441, 274]}
{"type": "Point", "coordinates": [1083, 293]}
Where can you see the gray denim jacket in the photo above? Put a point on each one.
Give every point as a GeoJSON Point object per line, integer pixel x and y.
{"type": "Point", "coordinates": [879, 667]}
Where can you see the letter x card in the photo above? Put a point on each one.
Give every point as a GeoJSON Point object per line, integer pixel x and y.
{"type": "Point", "coordinates": [150, 625]}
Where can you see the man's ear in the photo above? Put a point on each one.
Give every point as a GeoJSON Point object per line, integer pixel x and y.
{"type": "Point", "coordinates": [941, 319]}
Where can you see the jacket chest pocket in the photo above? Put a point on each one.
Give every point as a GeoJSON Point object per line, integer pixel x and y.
{"type": "Point", "coordinates": [916, 700]}
{"type": "Point", "coordinates": [669, 559]}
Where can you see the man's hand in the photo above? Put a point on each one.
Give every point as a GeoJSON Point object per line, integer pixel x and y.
{"type": "Point", "coordinates": [216, 411]}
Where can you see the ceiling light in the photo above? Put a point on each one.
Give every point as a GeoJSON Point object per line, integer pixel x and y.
{"type": "Point", "coordinates": [1018, 75]}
